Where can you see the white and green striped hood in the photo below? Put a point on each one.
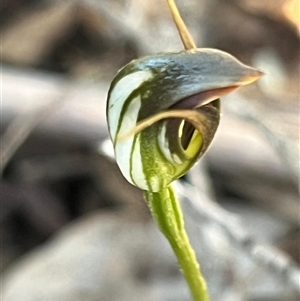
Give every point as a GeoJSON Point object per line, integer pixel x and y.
{"type": "Point", "coordinates": [174, 98]}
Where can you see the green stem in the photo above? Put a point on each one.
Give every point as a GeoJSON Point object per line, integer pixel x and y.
{"type": "Point", "coordinates": [166, 210]}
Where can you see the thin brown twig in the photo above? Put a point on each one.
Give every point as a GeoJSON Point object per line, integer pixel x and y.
{"type": "Point", "coordinates": [184, 33]}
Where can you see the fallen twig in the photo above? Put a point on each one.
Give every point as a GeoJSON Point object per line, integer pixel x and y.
{"type": "Point", "coordinates": [21, 127]}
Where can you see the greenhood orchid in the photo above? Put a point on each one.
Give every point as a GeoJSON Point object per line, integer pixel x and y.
{"type": "Point", "coordinates": [162, 112]}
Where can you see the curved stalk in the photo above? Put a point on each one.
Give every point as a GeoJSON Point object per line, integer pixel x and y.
{"type": "Point", "coordinates": [186, 38]}
{"type": "Point", "coordinates": [166, 210]}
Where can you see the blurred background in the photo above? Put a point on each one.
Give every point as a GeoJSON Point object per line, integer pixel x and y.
{"type": "Point", "coordinates": [72, 228]}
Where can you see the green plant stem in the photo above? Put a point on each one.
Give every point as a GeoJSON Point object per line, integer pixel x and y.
{"type": "Point", "coordinates": [166, 210]}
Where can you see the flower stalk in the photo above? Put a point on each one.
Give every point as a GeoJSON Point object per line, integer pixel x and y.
{"type": "Point", "coordinates": [166, 211]}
